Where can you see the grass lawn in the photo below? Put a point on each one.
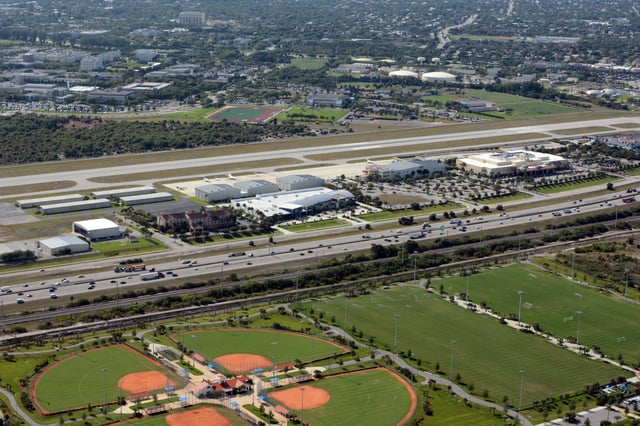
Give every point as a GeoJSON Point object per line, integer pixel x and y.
{"type": "Point", "coordinates": [387, 214]}
{"type": "Point", "coordinates": [120, 247]}
{"type": "Point", "coordinates": [326, 115]}
{"type": "Point", "coordinates": [553, 302]}
{"type": "Point", "coordinates": [486, 354]}
{"type": "Point", "coordinates": [451, 410]}
{"type": "Point", "coordinates": [278, 346]}
{"type": "Point", "coordinates": [312, 226]}
{"type": "Point", "coordinates": [570, 186]}
{"type": "Point", "coordinates": [90, 377]}
{"type": "Point", "coordinates": [505, 198]}
{"type": "Point", "coordinates": [308, 63]}
{"type": "Point", "coordinates": [360, 398]}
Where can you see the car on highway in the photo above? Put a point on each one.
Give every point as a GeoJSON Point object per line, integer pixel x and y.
{"type": "Point", "coordinates": [52, 289]}
{"type": "Point", "coordinates": [53, 296]}
{"type": "Point", "coordinates": [19, 300]}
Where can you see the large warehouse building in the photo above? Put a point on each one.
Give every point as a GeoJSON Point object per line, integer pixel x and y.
{"type": "Point", "coordinates": [36, 202]}
{"type": "Point", "coordinates": [509, 163]}
{"type": "Point", "coordinates": [400, 169]}
{"type": "Point", "coordinates": [156, 197]}
{"type": "Point", "coordinates": [97, 229]}
{"type": "Point", "coordinates": [295, 182]}
{"type": "Point", "coordinates": [100, 203]}
{"type": "Point", "coordinates": [217, 192]}
{"type": "Point", "coordinates": [123, 192]}
{"type": "Point", "coordinates": [64, 244]}
{"type": "Point", "coordinates": [253, 187]}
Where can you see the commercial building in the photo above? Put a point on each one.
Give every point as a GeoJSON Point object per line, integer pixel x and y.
{"type": "Point", "coordinates": [438, 76]}
{"type": "Point", "coordinates": [156, 197]}
{"type": "Point", "coordinates": [192, 18]}
{"type": "Point", "coordinates": [116, 97]}
{"type": "Point", "coordinates": [147, 88]}
{"type": "Point", "coordinates": [401, 169]}
{"type": "Point", "coordinates": [294, 204]}
{"type": "Point", "coordinates": [295, 182]}
{"type": "Point", "coordinates": [97, 229]}
{"type": "Point", "coordinates": [403, 74]}
{"type": "Point", "coordinates": [123, 192]}
{"type": "Point", "coordinates": [217, 192]}
{"type": "Point", "coordinates": [36, 202]}
{"type": "Point", "coordinates": [329, 100]}
{"type": "Point", "coordinates": [210, 220]}
{"type": "Point", "coordinates": [74, 206]}
{"type": "Point", "coordinates": [509, 163]}
{"type": "Point", "coordinates": [64, 244]}
{"type": "Point", "coordinates": [253, 187]}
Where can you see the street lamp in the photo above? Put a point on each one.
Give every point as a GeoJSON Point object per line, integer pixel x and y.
{"type": "Point", "coordinates": [104, 371]}
{"type": "Point", "coordinates": [578, 332]}
{"type": "Point", "coordinates": [520, 293]}
{"type": "Point", "coordinates": [522, 373]}
{"type": "Point", "coordinates": [395, 336]}
{"type": "Point", "coordinates": [395, 409]}
{"type": "Point", "coordinates": [573, 263]}
{"type": "Point", "coordinates": [274, 344]}
{"type": "Point", "coordinates": [453, 358]}
{"type": "Point", "coordinates": [466, 295]}
{"type": "Point", "coordinates": [301, 404]}
{"type": "Point", "coordinates": [415, 259]}
{"type": "Point", "coordinates": [626, 281]}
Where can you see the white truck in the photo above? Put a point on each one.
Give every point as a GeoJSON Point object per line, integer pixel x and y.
{"type": "Point", "coordinates": [151, 276]}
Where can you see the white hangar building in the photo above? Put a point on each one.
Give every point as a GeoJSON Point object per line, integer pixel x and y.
{"type": "Point", "coordinates": [217, 192]}
{"type": "Point", "coordinates": [36, 202]}
{"type": "Point", "coordinates": [295, 182]}
{"type": "Point", "coordinates": [156, 197]}
{"type": "Point", "coordinates": [249, 188]}
{"type": "Point", "coordinates": [97, 229]}
{"type": "Point", "coordinates": [123, 192]}
{"type": "Point", "coordinates": [64, 244]}
{"type": "Point", "coordinates": [74, 206]}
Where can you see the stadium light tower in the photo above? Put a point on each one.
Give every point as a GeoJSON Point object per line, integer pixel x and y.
{"type": "Point", "coordinates": [578, 332]}
{"type": "Point", "coordinates": [520, 293]}
{"type": "Point", "coordinates": [395, 336]}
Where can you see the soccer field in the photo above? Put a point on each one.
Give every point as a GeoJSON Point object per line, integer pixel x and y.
{"type": "Point", "coordinates": [554, 302]}
{"type": "Point", "coordinates": [484, 352]}
{"type": "Point", "coordinates": [89, 377]}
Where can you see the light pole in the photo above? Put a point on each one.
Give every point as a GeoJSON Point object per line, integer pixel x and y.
{"type": "Point", "coordinates": [274, 344]}
{"type": "Point", "coordinates": [395, 336]}
{"type": "Point", "coordinates": [626, 281]}
{"type": "Point", "coordinates": [466, 295]}
{"type": "Point", "coordinates": [104, 371]}
{"type": "Point", "coordinates": [522, 373]}
{"type": "Point", "coordinates": [301, 404]}
{"type": "Point", "coordinates": [345, 311]}
{"type": "Point", "coordinates": [578, 332]}
{"type": "Point", "coordinates": [573, 264]}
{"type": "Point", "coordinates": [395, 410]}
{"type": "Point", "coordinates": [520, 293]}
{"type": "Point", "coordinates": [415, 258]}
{"type": "Point", "coordinates": [453, 358]}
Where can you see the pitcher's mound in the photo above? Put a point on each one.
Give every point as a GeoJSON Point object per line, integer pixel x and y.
{"type": "Point", "coordinates": [144, 381]}
{"type": "Point", "coordinates": [310, 396]}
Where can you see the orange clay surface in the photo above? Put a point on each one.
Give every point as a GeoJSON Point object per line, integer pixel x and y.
{"type": "Point", "coordinates": [239, 363]}
{"type": "Point", "coordinates": [144, 381]}
{"type": "Point", "coordinates": [313, 397]}
{"type": "Point", "coordinates": [200, 416]}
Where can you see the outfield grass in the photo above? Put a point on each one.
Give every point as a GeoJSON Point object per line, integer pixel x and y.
{"type": "Point", "coordinates": [90, 377]}
{"type": "Point", "coordinates": [361, 398]}
{"type": "Point", "coordinates": [570, 186]}
{"type": "Point", "coordinates": [553, 302]}
{"type": "Point", "coordinates": [277, 346]}
{"type": "Point", "coordinates": [315, 225]}
{"type": "Point", "coordinates": [487, 354]}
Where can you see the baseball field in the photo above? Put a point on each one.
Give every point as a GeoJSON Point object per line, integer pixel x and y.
{"type": "Point", "coordinates": [452, 340]}
{"type": "Point", "coordinates": [96, 377]}
{"type": "Point", "coordinates": [238, 350]}
{"type": "Point", "coordinates": [201, 415]}
{"type": "Point", "coordinates": [376, 397]}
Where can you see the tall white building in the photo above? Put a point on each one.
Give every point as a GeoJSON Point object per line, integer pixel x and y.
{"type": "Point", "coordinates": [192, 18]}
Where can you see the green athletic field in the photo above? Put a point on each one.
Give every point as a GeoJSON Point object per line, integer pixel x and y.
{"type": "Point", "coordinates": [275, 345]}
{"type": "Point", "coordinates": [553, 303]}
{"type": "Point", "coordinates": [362, 398]}
{"type": "Point", "coordinates": [243, 113]}
{"type": "Point", "coordinates": [484, 352]}
{"type": "Point", "coordinates": [81, 379]}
